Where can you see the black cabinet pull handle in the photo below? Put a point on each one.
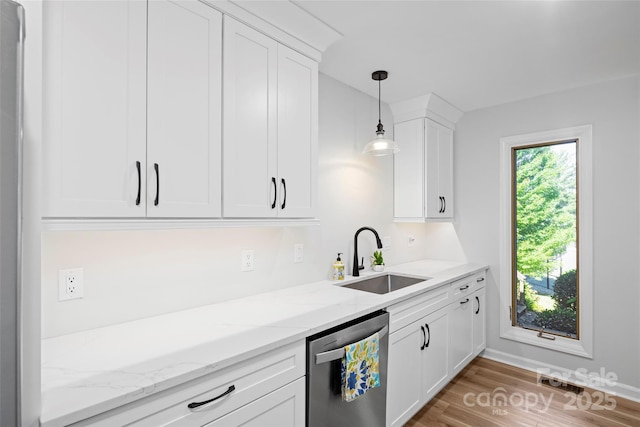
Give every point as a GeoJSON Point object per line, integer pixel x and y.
{"type": "Point", "coordinates": [465, 301]}
{"type": "Point", "coordinates": [478, 310]}
{"type": "Point", "coordinates": [157, 169]}
{"type": "Point", "coordinates": [464, 288]}
{"type": "Point", "coordinates": [444, 206]}
{"type": "Point", "coordinates": [275, 192]}
{"type": "Point", "coordinates": [193, 405]}
{"type": "Point", "coordinates": [440, 210]}
{"type": "Point", "coordinates": [481, 279]}
{"type": "Point", "coordinates": [139, 183]}
{"type": "Point", "coordinates": [426, 325]}
{"type": "Point", "coordinates": [424, 338]}
{"type": "Point", "coordinates": [284, 188]}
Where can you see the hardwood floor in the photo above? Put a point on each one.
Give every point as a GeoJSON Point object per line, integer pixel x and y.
{"type": "Point", "coordinates": [488, 393]}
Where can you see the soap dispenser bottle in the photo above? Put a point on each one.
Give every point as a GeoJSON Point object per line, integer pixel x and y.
{"type": "Point", "coordinates": [338, 269]}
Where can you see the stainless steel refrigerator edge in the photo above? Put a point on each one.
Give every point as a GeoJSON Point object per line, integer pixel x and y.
{"type": "Point", "coordinates": [11, 73]}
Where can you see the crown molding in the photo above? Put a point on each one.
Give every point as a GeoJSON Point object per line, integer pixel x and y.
{"type": "Point", "coordinates": [430, 106]}
{"type": "Point", "coordinates": [284, 21]}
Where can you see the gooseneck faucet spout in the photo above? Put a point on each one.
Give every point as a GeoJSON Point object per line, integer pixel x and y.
{"type": "Point", "coordinates": [356, 267]}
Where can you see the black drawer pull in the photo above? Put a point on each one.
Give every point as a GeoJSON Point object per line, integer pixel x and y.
{"type": "Point", "coordinates": [478, 310]}
{"type": "Point", "coordinates": [139, 183]}
{"type": "Point", "coordinates": [465, 301]}
{"type": "Point", "coordinates": [424, 338]}
{"type": "Point", "coordinates": [157, 169]}
{"type": "Point", "coordinates": [481, 279]}
{"type": "Point", "coordinates": [426, 325]}
{"type": "Point", "coordinates": [444, 208]}
{"type": "Point", "coordinates": [275, 192]}
{"type": "Point", "coordinates": [194, 405]}
{"type": "Point", "coordinates": [284, 189]}
{"type": "Point", "coordinates": [464, 288]}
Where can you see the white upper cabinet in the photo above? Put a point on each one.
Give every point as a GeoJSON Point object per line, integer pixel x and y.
{"type": "Point", "coordinates": [94, 94]}
{"type": "Point", "coordinates": [184, 110]}
{"type": "Point", "coordinates": [297, 133]}
{"type": "Point", "coordinates": [408, 170]}
{"type": "Point", "coordinates": [270, 127]}
{"type": "Point", "coordinates": [132, 109]}
{"type": "Point", "coordinates": [250, 122]}
{"type": "Point", "coordinates": [439, 170]}
{"type": "Point", "coordinates": [423, 171]}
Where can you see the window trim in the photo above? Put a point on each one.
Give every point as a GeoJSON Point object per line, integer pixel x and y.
{"type": "Point", "coordinates": [583, 346]}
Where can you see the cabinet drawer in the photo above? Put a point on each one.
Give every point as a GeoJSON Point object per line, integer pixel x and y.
{"type": "Point", "coordinates": [251, 380]}
{"type": "Point", "coordinates": [480, 279]}
{"type": "Point", "coordinates": [462, 287]}
{"type": "Point", "coordinates": [406, 312]}
{"type": "Point", "coordinates": [284, 407]}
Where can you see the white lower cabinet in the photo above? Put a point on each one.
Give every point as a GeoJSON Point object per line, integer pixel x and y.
{"type": "Point", "coordinates": [446, 331]}
{"type": "Point", "coordinates": [418, 365]}
{"type": "Point", "coordinates": [267, 390]}
{"type": "Point", "coordinates": [461, 339]}
{"type": "Point", "coordinates": [435, 360]}
{"type": "Point", "coordinates": [404, 374]}
{"type": "Point", "coordinates": [479, 322]}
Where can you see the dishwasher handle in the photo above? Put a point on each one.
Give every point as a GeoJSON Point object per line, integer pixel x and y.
{"type": "Point", "coordinates": [338, 353]}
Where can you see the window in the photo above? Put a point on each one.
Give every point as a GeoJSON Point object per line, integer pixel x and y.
{"type": "Point", "coordinates": [546, 254]}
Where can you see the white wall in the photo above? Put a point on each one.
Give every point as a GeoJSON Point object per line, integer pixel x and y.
{"type": "Point", "coordinates": [613, 109]}
{"type": "Point", "coordinates": [135, 274]}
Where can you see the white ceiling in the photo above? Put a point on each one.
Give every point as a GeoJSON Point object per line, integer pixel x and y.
{"type": "Point", "coordinates": [476, 54]}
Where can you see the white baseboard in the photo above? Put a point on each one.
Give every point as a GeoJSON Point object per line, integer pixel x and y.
{"type": "Point", "coordinates": [578, 377]}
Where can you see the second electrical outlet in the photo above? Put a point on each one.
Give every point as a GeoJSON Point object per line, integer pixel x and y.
{"type": "Point", "coordinates": [298, 252]}
{"type": "Point", "coordinates": [247, 260]}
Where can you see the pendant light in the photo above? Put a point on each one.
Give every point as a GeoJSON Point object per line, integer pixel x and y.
{"type": "Point", "coordinates": [380, 146]}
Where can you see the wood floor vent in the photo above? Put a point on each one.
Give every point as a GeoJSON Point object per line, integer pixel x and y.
{"type": "Point", "coordinates": [551, 382]}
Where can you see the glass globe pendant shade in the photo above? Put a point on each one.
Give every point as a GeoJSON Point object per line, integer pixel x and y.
{"type": "Point", "coordinates": [381, 146]}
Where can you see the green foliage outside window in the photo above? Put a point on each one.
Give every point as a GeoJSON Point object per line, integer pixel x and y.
{"type": "Point", "coordinates": [545, 208]}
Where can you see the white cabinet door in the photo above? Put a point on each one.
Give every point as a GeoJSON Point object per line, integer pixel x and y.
{"type": "Point", "coordinates": [284, 407]}
{"type": "Point", "coordinates": [184, 109]}
{"type": "Point", "coordinates": [479, 321]}
{"type": "Point", "coordinates": [423, 171]}
{"type": "Point", "coordinates": [408, 177]}
{"type": "Point", "coordinates": [438, 170]}
{"type": "Point", "coordinates": [435, 356]}
{"type": "Point", "coordinates": [250, 122]}
{"type": "Point", "coordinates": [461, 337]}
{"type": "Point", "coordinates": [297, 134]}
{"type": "Point", "coordinates": [94, 94]}
{"type": "Point", "coordinates": [404, 374]}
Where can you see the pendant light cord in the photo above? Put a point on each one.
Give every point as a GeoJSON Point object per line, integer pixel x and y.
{"type": "Point", "coordinates": [380, 129]}
{"type": "Point", "coordinates": [379, 114]}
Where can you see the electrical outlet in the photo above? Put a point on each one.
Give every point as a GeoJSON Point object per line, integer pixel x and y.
{"type": "Point", "coordinates": [70, 284]}
{"type": "Point", "coordinates": [247, 260]}
{"type": "Point", "coordinates": [386, 242]}
{"type": "Point", "coordinates": [298, 252]}
{"type": "Point", "coordinates": [412, 240]}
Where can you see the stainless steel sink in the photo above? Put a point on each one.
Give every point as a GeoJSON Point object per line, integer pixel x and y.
{"type": "Point", "coordinates": [384, 284]}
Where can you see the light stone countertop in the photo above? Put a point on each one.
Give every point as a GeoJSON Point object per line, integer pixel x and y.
{"type": "Point", "coordinates": [90, 372]}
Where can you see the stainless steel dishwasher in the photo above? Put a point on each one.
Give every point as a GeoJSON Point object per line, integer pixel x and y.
{"type": "Point", "coordinates": [325, 350]}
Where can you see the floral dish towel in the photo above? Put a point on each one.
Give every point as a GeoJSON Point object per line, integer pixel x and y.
{"type": "Point", "coordinates": [360, 368]}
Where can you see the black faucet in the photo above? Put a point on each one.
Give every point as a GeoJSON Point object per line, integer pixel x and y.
{"type": "Point", "coordinates": [356, 267]}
